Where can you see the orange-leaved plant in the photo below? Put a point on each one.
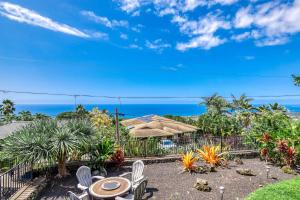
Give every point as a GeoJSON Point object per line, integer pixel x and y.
{"type": "Point", "coordinates": [188, 160]}
{"type": "Point", "coordinates": [210, 154]}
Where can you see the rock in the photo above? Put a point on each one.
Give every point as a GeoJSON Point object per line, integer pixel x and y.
{"type": "Point", "coordinates": [245, 172]}
{"type": "Point", "coordinates": [288, 170]}
{"type": "Point", "coordinates": [202, 181]}
{"type": "Point", "coordinates": [274, 177]}
{"type": "Point", "coordinates": [238, 161]}
{"type": "Point", "coordinates": [210, 168]}
{"type": "Point", "coordinates": [200, 169]}
{"type": "Point", "coordinates": [202, 185]}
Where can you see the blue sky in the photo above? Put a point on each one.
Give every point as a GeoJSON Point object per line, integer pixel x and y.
{"type": "Point", "coordinates": [148, 48]}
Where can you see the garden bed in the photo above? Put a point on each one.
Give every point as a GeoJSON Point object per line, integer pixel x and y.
{"type": "Point", "coordinates": [167, 182]}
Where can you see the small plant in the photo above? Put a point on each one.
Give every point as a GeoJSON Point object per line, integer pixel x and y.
{"type": "Point", "coordinates": [100, 152]}
{"type": "Point", "coordinates": [118, 157]}
{"type": "Point", "coordinates": [188, 161]}
{"type": "Point", "coordinates": [210, 155]}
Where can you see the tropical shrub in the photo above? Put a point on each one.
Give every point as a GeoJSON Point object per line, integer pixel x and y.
{"type": "Point", "coordinates": [188, 161]}
{"type": "Point", "coordinates": [100, 118]}
{"type": "Point", "coordinates": [100, 151]}
{"type": "Point", "coordinates": [118, 157]}
{"type": "Point", "coordinates": [218, 124]}
{"type": "Point", "coordinates": [279, 151]}
{"type": "Point", "coordinates": [67, 115]}
{"type": "Point", "coordinates": [41, 116]}
{"type": "Point", "coordinates": [45, 141]}
{"type": "Point", "coordinates": [210, 155]}
{"type": "Point", "coordinates": [147, 147]}
{"type": "Point", "coordinates": [25, 116]}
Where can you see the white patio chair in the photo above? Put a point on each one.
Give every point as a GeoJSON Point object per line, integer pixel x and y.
{"type": "Point", "coordinates": [136, 174]}
{"type": "Point", "coordinates": [138, 192]}
{"type": "Point", "coordinates": [85, 178]}
{"type": "Point", "coordinates": [73, 196]}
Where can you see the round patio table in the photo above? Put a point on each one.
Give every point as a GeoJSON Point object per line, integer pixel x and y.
{"type": "Point", "coordinates": [97, 189]}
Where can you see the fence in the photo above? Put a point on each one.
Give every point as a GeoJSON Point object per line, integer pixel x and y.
{"type": "Point", "coordinates": [14, 179]}
{"type": "Point", "coordinates": [155, 147]}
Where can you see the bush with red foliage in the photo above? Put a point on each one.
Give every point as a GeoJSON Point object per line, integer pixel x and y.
{"type": "Point", "coordinates": [118, 157]}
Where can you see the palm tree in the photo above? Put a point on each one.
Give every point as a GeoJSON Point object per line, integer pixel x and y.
{"type": "Point", "coordinates": [296, 80]}
{"type": "Point", "coordinates": [276, 107]}
{"type": "Point", "coordinates": [41, 116]}
{"type": "Point", "coordinates": [80, 110]}
{"type": "Point", "coordinates": [25, 116]}
{"type": "Point", "coordinates": [63, 142]}
{"type": "Point", "coordinates": [243, 109]}
{"type": "Point", "coordinates": [215, 104]}
{"type": "Point", "coordinates": [241, 103]}
{"type": "Point", "coordinates": [8, 107]}
{"type": "Point", "coordinates": [46, 140]}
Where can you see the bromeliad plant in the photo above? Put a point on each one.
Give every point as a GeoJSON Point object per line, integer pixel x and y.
{"type": "Point", "coordinates": [210, 155]}
{"type": "Point", "coordinates": [188, 160]}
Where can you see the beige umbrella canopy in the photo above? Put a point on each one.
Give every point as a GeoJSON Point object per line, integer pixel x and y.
{"type": "Point", "coordinates": [156, 126]}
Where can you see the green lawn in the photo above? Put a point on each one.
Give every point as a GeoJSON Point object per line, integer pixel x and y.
{"type": "Point", "coordinates": [285, 190]}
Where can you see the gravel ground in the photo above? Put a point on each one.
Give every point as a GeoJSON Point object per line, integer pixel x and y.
{"type": "Point", "coordinates": [167, 182]}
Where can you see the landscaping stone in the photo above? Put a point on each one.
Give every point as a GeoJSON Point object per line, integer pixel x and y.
{"type": "Point", "coordinates": [245, 172]}
{"type": "Point", "coordinates": [288, 170]}
{"type": "Point", "coordinates": [202, 185]}
{"type": "Point", "coordinates": [238, 161]}
{"type": "Point", "coordinates": [200, 169]}
{"type": "Point", "coordinates": [210, 168]}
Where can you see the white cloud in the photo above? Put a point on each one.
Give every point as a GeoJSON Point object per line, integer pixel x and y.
{"type": "Point", "coordinates": [157, 45]}
{"type": "Point", "coordinates": [137, 28]}
{"type": "Point", "coordinates": [173, 68]}
{"type": "Point", "coordinates": [123, 36]}
{"type": "Point", "coordinates": [192, 4]}
{"type": "Point", "coordinates": [130, 5]}
{"type": "Point", "coordinates": [274, 21]}
{"type": "Point", "coordinates": [203, 41]}
{"type": "Point", "coordinates": [241, 37]}
{"type": "Point", "coordinates": [104, 20]}
{"type": "Point", "coordinates": [135, 46]}
{"type": "Point", "coordinates": [98, 34]}
{"type": "Point", "coordinates": [272, 41]}
{"type": "Point", "coordinates": [23, 15]}
{"type": "Point", "coordinates": [243, 18]}
{"type": "Point", "coordinates": [206, 25]}
{"type": "Point", "coordinates": [166, 11]}
{"type": "Point", "coordinates": [225, 2]}
{"type": "Point", "coordinates": [201, 31]}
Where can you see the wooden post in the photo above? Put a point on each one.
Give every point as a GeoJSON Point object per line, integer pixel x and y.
{"type": "Point", "coordinates": [221, 143]}
{"type": "Point", "coordinates": [117, 127]}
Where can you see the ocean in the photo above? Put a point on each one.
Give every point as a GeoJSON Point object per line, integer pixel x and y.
{"type": "Point", "coordinates": [129, 110]}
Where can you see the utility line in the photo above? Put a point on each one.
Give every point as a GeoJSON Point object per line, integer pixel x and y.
{"type": "Point", "coordinates": [138, 97]}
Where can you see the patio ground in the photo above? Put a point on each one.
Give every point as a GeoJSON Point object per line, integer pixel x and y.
{"type": "Point", "coordinates": [166, 182]}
